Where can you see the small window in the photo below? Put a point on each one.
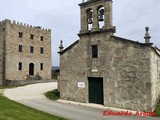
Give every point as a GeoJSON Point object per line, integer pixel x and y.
{"type": "Point", "coordinates": [41, 50]}
{"type": "Point", "coordinates": [20, 66]}
{"type": "Point", "coordinates": [94, 51]}
{"type": "Point", "coordinates": [20, 34]}
{"type": "Point", "coordinates": [31, 36]}
{"type": "Point", "coordinates": [20, 48]}
{"type": "Point", "coordinates": [41, 66]}
{"type": "Point", "coordinates": [3, 29]}
{"type": "Point", "coordinates": [41, 38]}
{"type": "Point", "coordinates": [31, 49]}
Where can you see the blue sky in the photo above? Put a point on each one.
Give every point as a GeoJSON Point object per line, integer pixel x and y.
{"type": "Point", "coordinates": [130, 18]}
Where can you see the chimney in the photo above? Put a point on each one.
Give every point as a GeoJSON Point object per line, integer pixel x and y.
{"type": "Point", "coordinates": [147, 36]}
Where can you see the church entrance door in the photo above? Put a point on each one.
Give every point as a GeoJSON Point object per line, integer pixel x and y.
{"type": "Point", "coordinates": [96, 90]}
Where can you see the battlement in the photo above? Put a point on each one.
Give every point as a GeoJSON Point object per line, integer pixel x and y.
{"type": "Point", "coordinates": [23, 25]}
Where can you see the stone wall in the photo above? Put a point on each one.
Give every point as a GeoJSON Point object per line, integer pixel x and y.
{"type": "Point", "coordinates": [2, 33]}
{"type": "Point", "coordinates": [123, 65]}
{"type": "Point", "coordinates": [13, 56]}
{"type": "Point", "coordinates": [73, 68]}
{"type": "Point", "coordinates": [155, 78]}
{"type": "Point", "coordinates": [128, 82]}
{"type": "Point", "coordinates": [2, 52]}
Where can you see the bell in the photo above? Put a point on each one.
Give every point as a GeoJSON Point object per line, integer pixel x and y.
{"type": "Point", "coordinates": [101, 14]}
{"type": "Point", "coordinates": [90, 21]}
{"type": "Point", "coordinates": [89, 16]}
{"type": "Point", "coordinates": [100, 18]}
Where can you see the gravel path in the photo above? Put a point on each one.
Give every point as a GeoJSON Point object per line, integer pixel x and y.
{"type": "Point", "coordinates": [32, 96]}
{"type": "Point", "coordinates": [33, 91]}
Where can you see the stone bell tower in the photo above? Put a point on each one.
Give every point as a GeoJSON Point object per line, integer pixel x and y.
{"type": "Point", "coordinates": [96, 16]}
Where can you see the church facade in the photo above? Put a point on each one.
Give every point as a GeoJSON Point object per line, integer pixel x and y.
{"type": "Point", "coordinates": [105, 69]}
{"type": "Point", "coordinates": [25, 52]}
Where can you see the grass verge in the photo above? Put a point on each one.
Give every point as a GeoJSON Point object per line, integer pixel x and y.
{"type": "Point", "coordinates": [3, 87]}
{"type": "Point", "coordinates": [52, 95]}
{"type": "Point", "coordinates": [157, 110]}
{"type": "Point", "coordinates": [10, 110]}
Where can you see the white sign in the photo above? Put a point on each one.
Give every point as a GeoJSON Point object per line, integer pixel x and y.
{"type": "Point", "coordinates": [94, 70]}
{"type": "Point", "coordinates": [81, 84]}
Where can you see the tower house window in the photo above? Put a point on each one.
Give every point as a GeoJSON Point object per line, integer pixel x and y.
{"type": "Point", "coordinates": [41, 38]}
{"type": "Point", "coordinates": [31, 36]}
{"type": "Point", "coordinates": [41, 66]}
{"type": "Point", "coordinates": [3, 29]}
{"type": "Point", "coordinates": [94, 51]}
{"type": "Point", "coordinates": [41, 50]}
{"type": "Point", "coordinates": [20, 34]}
{"type": "Point", "coordinates": [31, 49]}
{"type": "Point", "coordinates": [20, 48]}
{"type": "Point", "coordinates": [20, 66]}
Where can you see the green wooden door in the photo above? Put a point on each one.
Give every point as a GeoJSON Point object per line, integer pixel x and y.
{"type": "Point", "coordinates": [96, 90]}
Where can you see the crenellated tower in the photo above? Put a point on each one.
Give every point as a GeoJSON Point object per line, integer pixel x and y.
{"type": "Point", "coordinates": [25, 52]}
{"type": "Point", "coordinates": [96, 16]}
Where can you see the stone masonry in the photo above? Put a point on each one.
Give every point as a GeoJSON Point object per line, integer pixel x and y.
{"type": "Point", "coordinates": [19, 62]}
{"type": "Point", "coordinates": [130, 70]}
{"type": "Point", "coordinates": [2, 53]}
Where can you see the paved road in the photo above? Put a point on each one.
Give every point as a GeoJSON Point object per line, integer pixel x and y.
{"type": "Point", "coordinates": [32, 95]}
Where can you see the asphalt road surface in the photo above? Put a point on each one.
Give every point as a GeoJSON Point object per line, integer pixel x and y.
{"type": "Point", "coordinates": [32, 96]}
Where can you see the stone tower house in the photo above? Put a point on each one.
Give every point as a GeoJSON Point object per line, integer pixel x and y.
{"type": "Point", "coordinates": [25, 52]}
{"type": "Point", "coordinates": [105, 69]}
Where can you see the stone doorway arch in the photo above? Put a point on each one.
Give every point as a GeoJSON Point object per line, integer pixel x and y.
{"type": "Point", "coordinates": [31, 69]}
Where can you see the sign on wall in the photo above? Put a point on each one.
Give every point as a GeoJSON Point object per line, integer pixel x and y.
{"type": "Point", "coordinates": [81, 84]}
{"type": "Point", "coordinates": [94, 70]}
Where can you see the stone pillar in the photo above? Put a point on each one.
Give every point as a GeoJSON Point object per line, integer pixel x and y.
{"type": "Point", "coordinates": [61, 46]}
{"type": "Point", "coordinates": [108, 15]}
{"type": "Point", "coordinates": [84, 23]}
{"type": "Point", "coordinates": [60, 50]}
{"type": "Point", "coordinates": [147, 36]}
{"type": "Point", "coordinates": [95, 20]}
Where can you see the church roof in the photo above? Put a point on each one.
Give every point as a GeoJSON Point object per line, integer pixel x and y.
{"type": "Point", "coordinates": [155, 49]}
{"type": "Point", "coordinates": [69, 47]}
{"type": "Point", "coordinates": [131, 41]}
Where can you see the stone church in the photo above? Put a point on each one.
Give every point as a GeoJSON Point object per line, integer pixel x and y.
{"type": "Point", "coordinates": [105, 69]}
{"type": "Point", "coordinates": [25, 52]}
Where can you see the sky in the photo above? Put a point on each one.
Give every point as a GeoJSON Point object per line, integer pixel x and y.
{"type": "Point", "coordinates": [63, 17]}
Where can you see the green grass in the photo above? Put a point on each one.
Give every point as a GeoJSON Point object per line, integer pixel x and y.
{"type": "Point", "coordinates": [3, 87]}
{"type": "Point", "coordinates": [52, 95]}
{"type": "Point", "coordinates": [157, 110]}
{"type": "Point", "coordinates": [54, 77]}
{"type": "Point", "coordinates": [10, 110]}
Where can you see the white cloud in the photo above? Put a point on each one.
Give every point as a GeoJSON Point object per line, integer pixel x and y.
{"type": "Point", "coordinates": [131, 17]}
